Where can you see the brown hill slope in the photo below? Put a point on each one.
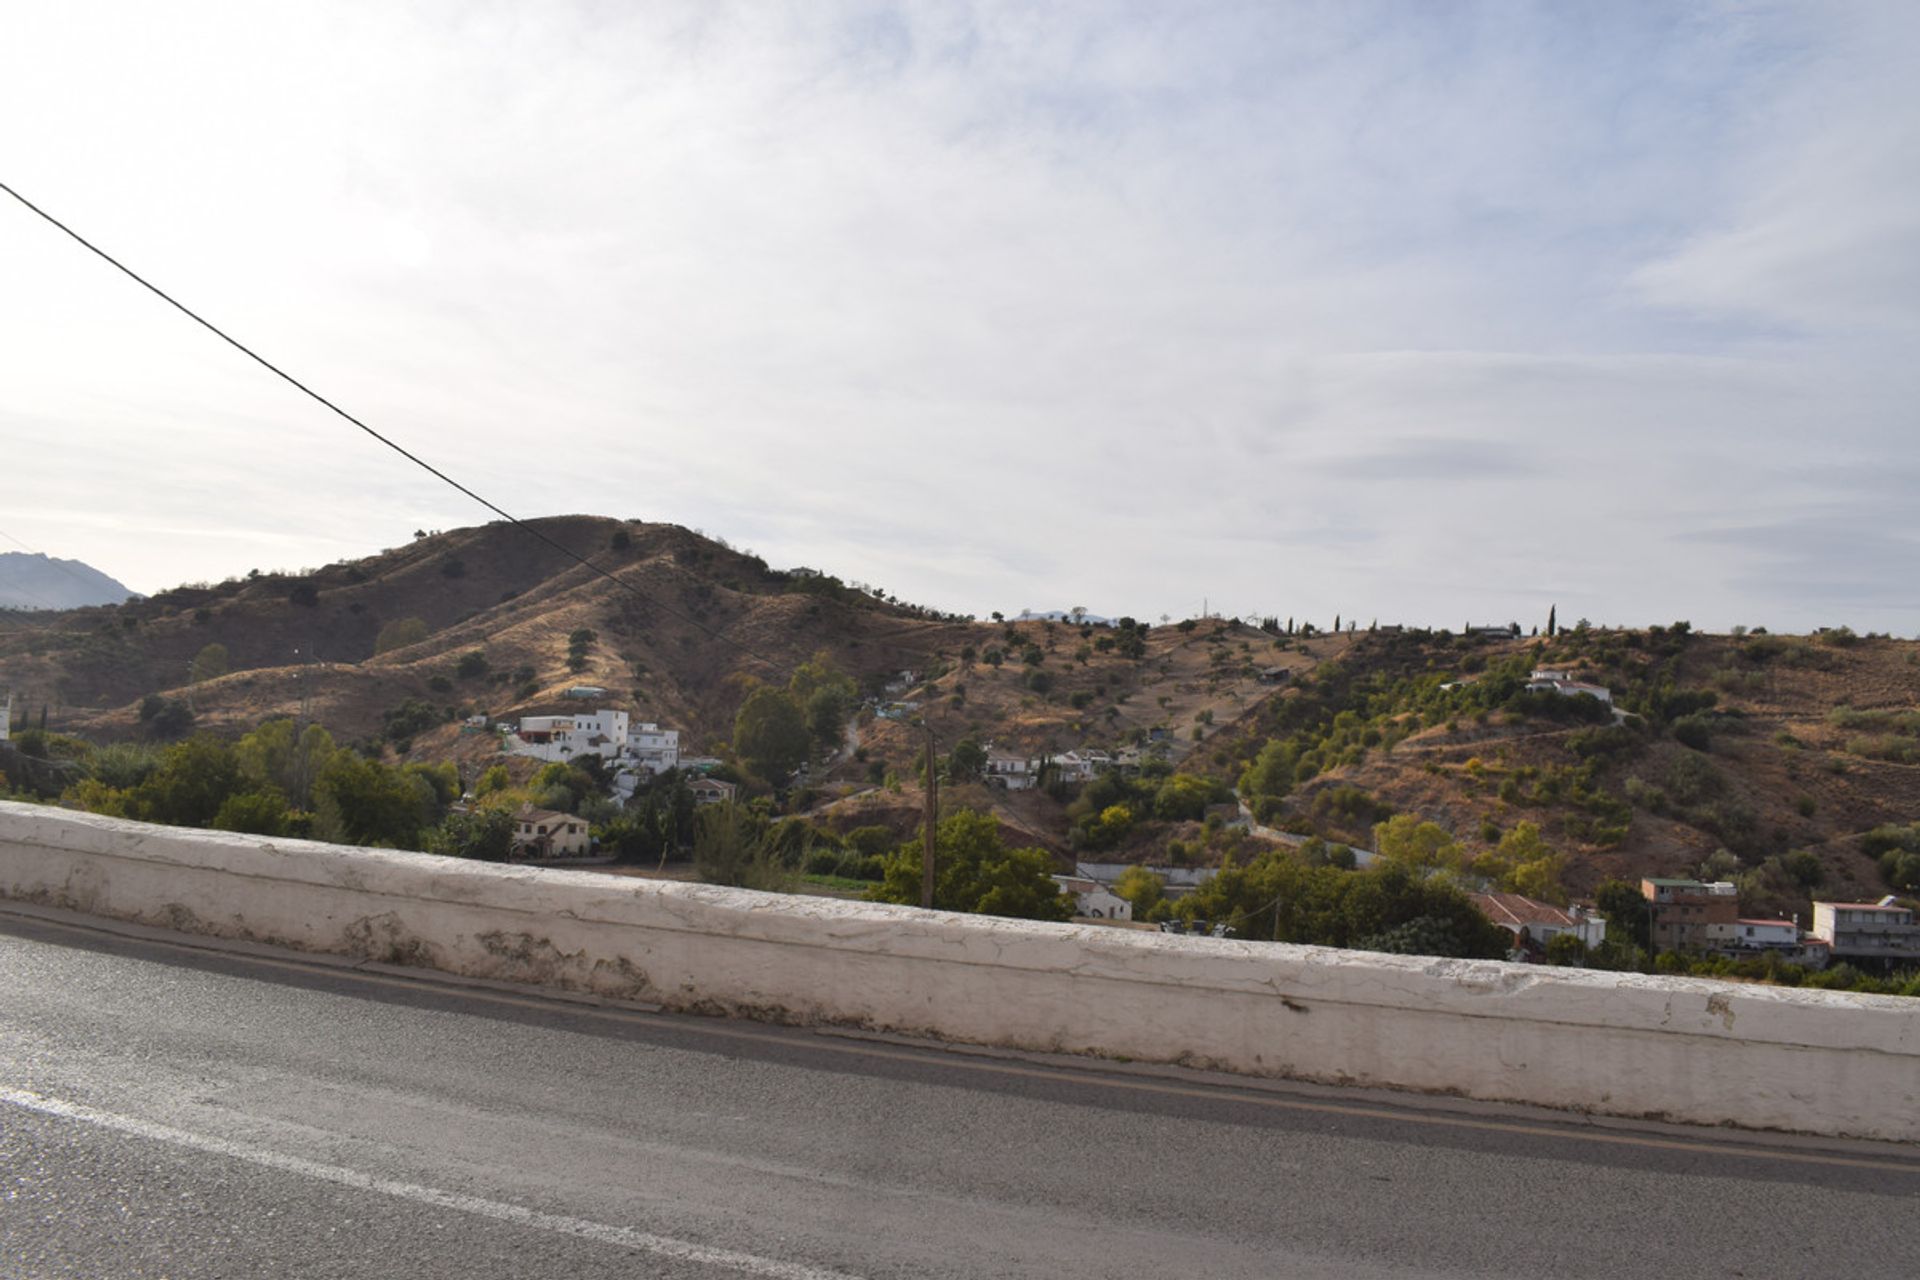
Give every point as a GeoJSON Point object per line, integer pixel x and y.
{"type": "Point", "coordinates": [673, 644]}
{"type": "Point", "coordinates": [1756, 745]}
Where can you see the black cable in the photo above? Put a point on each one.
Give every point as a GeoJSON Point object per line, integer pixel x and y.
{"type": "Point", "coordinates": [417, 461]}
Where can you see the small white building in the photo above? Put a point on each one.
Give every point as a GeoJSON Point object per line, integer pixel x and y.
{"type": "Point", "coordinates": [1754, 935]}
{"type": "Point", "coordinates": [6, 718]}
{"type": "Point", "coordinates": [652, 748]}
{"type": "Point", "coordinates": [562, 738]}
{"type": "Point", "coordinates": [1094, 901]}
{"type": "Point", "coordinates": [1867, 930]}
{"type": "Point", "coordinates": [1531, 921]}
{"type": "Point", "coordinates": [1006, 769]}
{"type": "Point", "coordinates": [1072, 767]}
{"type": "Point", "coordinates": [1562, 682]}
{"type": "Point", "coordinates": [711, 791]}
{"type": "Point", "coordinates": [546, 834]}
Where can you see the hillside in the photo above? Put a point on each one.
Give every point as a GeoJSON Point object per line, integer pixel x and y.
{"type": "Point", "coordinates": [1732, 751]}
{"type": "Point", "coordinates": [1753, 745]}
{"type": "Point", "coordinates": [672, 641]}
{"type": "Point", "coordinates": [34, 581]}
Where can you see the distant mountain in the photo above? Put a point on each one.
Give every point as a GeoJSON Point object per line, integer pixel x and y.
{"type": "Point", "coordinates": [42, 582]}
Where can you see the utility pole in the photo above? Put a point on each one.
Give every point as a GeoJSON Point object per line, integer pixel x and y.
{"type": "Point", "coordinates": [933, 814]}
{"type": "Point", "coordinates": [301, 782]}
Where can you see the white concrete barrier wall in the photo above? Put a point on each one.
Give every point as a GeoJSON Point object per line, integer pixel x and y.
{"type": "Point", "coordinates": [1678, 1048]}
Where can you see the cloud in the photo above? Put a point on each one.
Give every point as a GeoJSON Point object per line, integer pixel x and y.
{"type": "Point", "coordinates": [1432, 313]}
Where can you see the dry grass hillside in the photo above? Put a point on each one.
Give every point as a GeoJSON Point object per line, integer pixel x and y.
{"type": "Point", "coordinates": [1756, 745]}
{"type": "Point", "coordinates": [670, 644]}
{"type": "Point", "coordinates": [675, 641]}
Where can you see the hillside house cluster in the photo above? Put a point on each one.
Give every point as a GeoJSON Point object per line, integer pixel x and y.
{"type": "Point", "coordinates": [1016, 771]}
{"type": "Point", "coordinates": [1695, 916]}
{"type": "Point", "coordinates": [611, 735]}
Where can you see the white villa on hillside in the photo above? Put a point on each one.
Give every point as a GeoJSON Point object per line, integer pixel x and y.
{"type": "Point", "coordinates": [1093, 900]}
{"type": "Point", "coordinates": [562, 738]}
{"type": "Point", "coordinates": [1005, 769]}
{"type": "Point", "coordinates": [654, 749]}
{"type": "Point", "coordinates": [1562, 682]}
{"type": "Point", "coordinates": [650, 751]}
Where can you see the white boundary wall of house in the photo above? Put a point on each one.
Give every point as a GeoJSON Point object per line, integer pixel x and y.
{"type": "Point", "coordinates": [1678, 1048]}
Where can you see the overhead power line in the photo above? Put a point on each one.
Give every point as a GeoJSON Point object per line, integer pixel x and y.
{"type": "Point", "coordinates": [415, 459]}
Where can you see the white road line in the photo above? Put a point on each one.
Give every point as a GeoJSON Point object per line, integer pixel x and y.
{"type": "Point", "coordinates": [624, 1237]}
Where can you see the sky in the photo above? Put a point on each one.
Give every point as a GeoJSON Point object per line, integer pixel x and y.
{"type": "Point", "coordinates": [1432, 313]}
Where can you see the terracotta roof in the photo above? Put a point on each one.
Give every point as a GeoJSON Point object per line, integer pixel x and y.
{"type": "Point", "coordinates": [1515, 910]}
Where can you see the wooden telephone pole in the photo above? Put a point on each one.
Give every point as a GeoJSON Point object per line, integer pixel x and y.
{"type": "Point", "coordinates": [933, 813]}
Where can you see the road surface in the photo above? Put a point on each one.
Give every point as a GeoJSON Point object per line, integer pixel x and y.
{"type": "Point", "coordinates": [171, 1110]}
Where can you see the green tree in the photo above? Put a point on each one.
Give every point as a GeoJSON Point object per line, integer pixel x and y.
{"type": "Point", "coordinates": [1142, 889]}
{"type": "Point", "coordinates": [731, 847]}
{"type": "Point", "coordinates": [483, 834]}
{"type": "Point", "coordinates": [1524, 863]}
{"type": "Point", "coordinates": [209, 664]}
{"type": "Point", "coordinates": [361, 801]}
{"type": "Point", "coordinates": [1406, 839]}
{"type": "Point", "coordinates": [260, 813]}
{"type": "Point", "coordinates": [171, 718]}
{"type": "Point", "coordinates": [271, 756]}
{"type": "Point", "coordinates": [1271, 775]}
{"type": "Point", "coordinates": [975, 871]}
{"type": "Point", "coordinates": [967, 760]}
{"type": "Point", "coordinates": [193, 780]}
{"type": "Point", "coordinates": [1627, 912]}
{"type": "Point", "coordinates": [770, 734]}
{"type": "Point", "coordinates": [819, 674]}
{"type": "Point", "coordinates": [1184, 797]}
{"type": "Point", "coordinates": [400, 633]}
{"type": "Point", "coordinates": [1566, 949]}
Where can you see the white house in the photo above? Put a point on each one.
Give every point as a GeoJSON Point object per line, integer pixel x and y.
{"type": "Point", "coordinates": [561, 738]}
{"type": "Point", "coordinates": [1076, 616]}
{"type": "Point", "coordinates": [711, 791]}
{"type": "Point", "coordinates": [1072, 767]}
{"type": "Point", "coordinates": [6, 718]}
{"type": "Point", "coordinates": [545, 834]}
{"type": "Point", "coordinates": [1562, 682]}
{"type": "Point", "coordinates": [1532, 921]}
{"type": "Point", "coordinates": [1879, 930]}
{"type": "Point", "coordinates": [1177, 880]}
{"type": "Point", "coordinates": [1092, 900]}
{"type": "Point", "coordinates": [654, 749]}
{"type": "Point", "coordinates": [1005, 769]}
{"type": "Point", "coordinates": [1754, 935]}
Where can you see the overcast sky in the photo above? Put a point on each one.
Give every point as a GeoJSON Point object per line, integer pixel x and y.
{"type": "Point", "coordinates": [1420, 311]}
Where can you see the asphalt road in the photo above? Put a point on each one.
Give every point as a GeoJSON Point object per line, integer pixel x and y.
{"type": "Point", "coordinates": [172, 1111]}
